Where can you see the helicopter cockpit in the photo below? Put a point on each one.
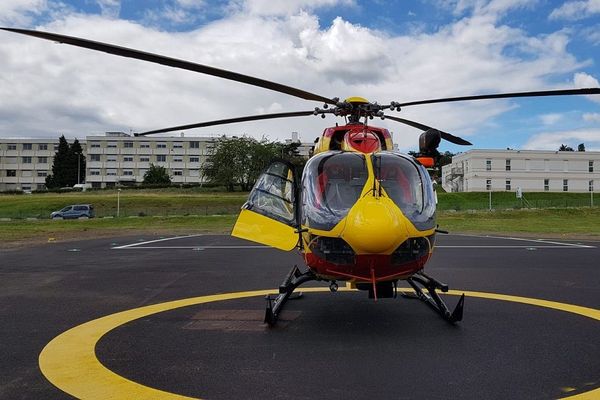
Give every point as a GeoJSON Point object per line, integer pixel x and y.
{"type": "Point", "coordinates": [333, 182]}
{"type": "Point", "coordinates": [409, 186]}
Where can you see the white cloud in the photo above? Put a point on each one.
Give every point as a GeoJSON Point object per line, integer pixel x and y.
{"type": "Point", "coordinates": [553, 140]}
{"type": "Point", "coordinates": [576, 10]}
{"type": "Point", "coordinates": [287, 7]}
{"type": "Point", "coordinates": [110, 8]}
{"type": "Point", "coordinates": [550, 119]}
{"type": "Point", "coordinates": [21, 12]}
{"type": "Point", "coordinates": [583, 80]}
{"type": "Point", "coordinates": [591, 34]}
{"type": "Point", "coordinates": [591, 117]}
{"type": "Point", "coordinates": [48, 88]}
{"type": "Point", "coordinates": [495, 8]}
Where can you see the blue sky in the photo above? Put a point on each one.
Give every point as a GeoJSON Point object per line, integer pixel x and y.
{"type": "Point", "coordinates": [381, 50]}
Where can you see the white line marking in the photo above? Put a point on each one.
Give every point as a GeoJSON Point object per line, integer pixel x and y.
{"type": "Point", "coordinates": [506, 247]}
{"type": "Point", "coordinates": [562, 244]}
{"type": "Point", "coordinates": [189, 247]}
{"type": "Point", "coordinates": [153, 241]}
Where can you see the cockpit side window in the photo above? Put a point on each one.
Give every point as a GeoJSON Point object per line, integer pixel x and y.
{"type": "Point", "coordinates": [332, 182]}
{"type": "Point", "coordinates": [408, 185]}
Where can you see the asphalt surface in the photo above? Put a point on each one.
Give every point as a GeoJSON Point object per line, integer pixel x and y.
{"type": "Point", "coordinates": [328, 345]}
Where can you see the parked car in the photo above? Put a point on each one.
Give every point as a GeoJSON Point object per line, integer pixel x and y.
{"type": "Point", "coordinates": [74, 212]}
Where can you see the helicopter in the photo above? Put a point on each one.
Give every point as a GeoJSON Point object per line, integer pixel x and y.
{"type": "Point", "coordinates": [361, 212]}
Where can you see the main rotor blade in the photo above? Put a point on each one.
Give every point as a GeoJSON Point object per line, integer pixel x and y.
{"type": "Point", "coordinates": [172, 62]}
{"type": "Point", "coordinates": [229, 121]}
{"type": "Point", "coordinates": [567, 92]}
{"type": "Point", "coordinates": [445, 135]}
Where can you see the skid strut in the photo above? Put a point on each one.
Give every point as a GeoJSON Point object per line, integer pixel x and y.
{"type": "Point", "coordinates": [293, 279]}
{"type": "Point", "coordinates": [419, 281]}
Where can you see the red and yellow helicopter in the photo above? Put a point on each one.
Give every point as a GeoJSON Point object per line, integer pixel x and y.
{"type": "Point", "coordinates": [361, 212]}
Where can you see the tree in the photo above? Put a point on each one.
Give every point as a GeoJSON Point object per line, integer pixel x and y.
{"type": "Point", "coordinates": [157, 175]}
{"type": "Point", "coordinates": [60, 168]}
{"type": "Point", "coordinates": [239, 161]}
{"type": "Point", "coordinates": [67, 160]}
{"type": "Point", "coordinates": [565, 148]}
{"type": "Point", "coordinates": [581, 147]}
{"type": "Point", "coordinates": [76, 163]}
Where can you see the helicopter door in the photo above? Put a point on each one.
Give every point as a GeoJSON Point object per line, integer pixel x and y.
{"type": "Point", "coordinates": [269, 216]}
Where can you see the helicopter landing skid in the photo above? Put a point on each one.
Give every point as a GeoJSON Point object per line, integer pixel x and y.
{"type": "Point", "coordinates": [293, 279]}
{"type": "Point", "coordinates": [419, 281]}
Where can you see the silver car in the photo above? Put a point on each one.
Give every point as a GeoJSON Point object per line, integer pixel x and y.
{"type": "Point", "coordinates": [74, 212]}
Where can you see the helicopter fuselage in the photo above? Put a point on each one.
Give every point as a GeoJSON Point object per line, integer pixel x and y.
{"type": "Point", "coordinates": [361, 211]}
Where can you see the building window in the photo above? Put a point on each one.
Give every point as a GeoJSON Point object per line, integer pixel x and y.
{"type": "Point", "coordinates": [94, 172]}
{"type": "Point", "coordinates": [27, 146]}
{"type": "Point", "coordinates": [178, 173]}
{"type": "Point", "coordinates": [111, 158]}
{"type": "Point", "coordinates": [508, 184]}
{"type": "Point", "coordinates": [546, 185]}
{"type": "Point", "coordinates": [508, 165]}
{"type": "Point", "coordinates": [95, 144]}
{"type": "Point", "coordinates": [488, 165]}
{"type": "Point", "coordinates": [55, 147]}
{"type": "Point", "coordinates": [128, 159]}
{"type": "Point", "coordinates": [144, 159]}
{"type": "Point", "coordinates": [42, 160]}
{"type": "Point", "coordinates": [11, 147]}
{"type": "Point", "coordinates": [42, 146]}
{"type": "Point", "coordinates": [161, 158]}
{"type": "Point", "coordinates": [194, 145]}
{"type": "Point", "coordinates": [144, 145]}
{"type": "Point", "coordinates": [488, 184]}
{"type": "Point", "coordinates": [112, 145]}
{"type": "Point", "coordinates": [42, 174]}
{"type": "Point", "coordinates": [128, 145]}
{"type": "Point", "coordinates": [591, 186]}
{"type": "Point", "coordinates": [194, 159]}
{"type": "Point", "coordinates": [128, 173]}
{"type": "Point", "coordinates": [565, 185]}
{"type": "Point", "coordinates": [11, 172]}
{"type": "Point", "coordinates": [26, 160]}
{"type": "Point", "coordinates": [40, 186]}
{"type": "Point", "coordinates": [111, 172]}
{"type": "Point", "coordinates": [591, 166]}
{"type": "Point", "coordinates": [94, 157]}
{"type": "Point", "coordinates": [178, 145]}
{"type": "Point", "coordinates": [161, 145]}
{"type": "Point", "coordinates": [177, 159]}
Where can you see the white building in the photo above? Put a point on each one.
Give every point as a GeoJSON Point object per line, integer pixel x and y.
{"type": "Point", "coordinates": [529, 170]}
{"type": "Point", "coordinates": [25, 163]}
{"type": "Point", "coordinates": [120, 159]}
{"type": "Point", "coordinates": [113, 159]}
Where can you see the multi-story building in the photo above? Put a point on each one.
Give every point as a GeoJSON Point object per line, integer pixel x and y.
{"type": "Point", "coordinates": [25, 163]}
{"type": "Point", "coordinates": [120, 159]}
{"type": "Point", "coordinates": [113, 159]}
{"type": "Point", "coordinates": [528, 170]}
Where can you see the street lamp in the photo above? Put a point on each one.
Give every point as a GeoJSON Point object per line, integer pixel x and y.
{"type": "Point", "coordinates": [118, 202]}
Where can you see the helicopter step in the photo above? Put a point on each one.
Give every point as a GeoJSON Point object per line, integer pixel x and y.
{"type": "Point", "coordinates": [419, 281]}
{"type": "Point", "coordinates": [293, 279]}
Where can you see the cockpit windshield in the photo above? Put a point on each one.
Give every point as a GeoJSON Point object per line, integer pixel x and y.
{"type": "Point", "coordinates": [332, 182]}
{"type": "Point", "coordinates": [408, 184]}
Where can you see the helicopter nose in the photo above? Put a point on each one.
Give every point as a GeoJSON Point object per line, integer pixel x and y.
{"type": "Point", "coordinates": [375, 225]}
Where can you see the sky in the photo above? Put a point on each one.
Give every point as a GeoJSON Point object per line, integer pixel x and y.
{"type": "Point", "coordinates": [382, 50]}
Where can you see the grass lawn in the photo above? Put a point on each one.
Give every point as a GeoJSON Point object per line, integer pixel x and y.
{"type": "Point", "coordinates": [131, 203]}
{"type": "Point", "coordinates": [183, 211]}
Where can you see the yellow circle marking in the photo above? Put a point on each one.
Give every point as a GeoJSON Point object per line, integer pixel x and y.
{"type": "Point", "coordinates": [69, 360]}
